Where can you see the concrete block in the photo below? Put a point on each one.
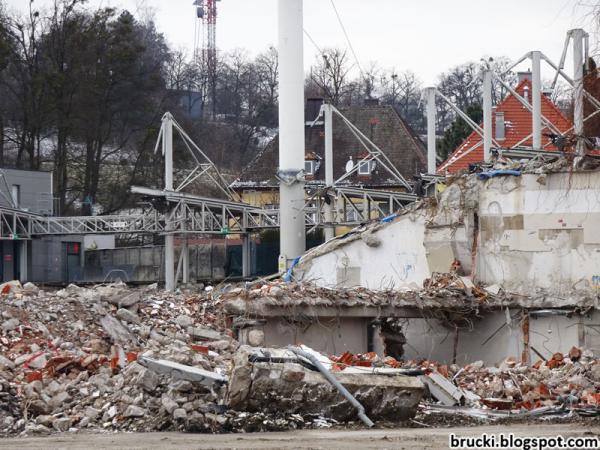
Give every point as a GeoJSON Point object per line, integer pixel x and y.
{"type": "Point", "coordinates": [183, 372]}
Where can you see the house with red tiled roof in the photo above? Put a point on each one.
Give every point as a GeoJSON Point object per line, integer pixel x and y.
{"type": "Point", "coordinates": [511, 127]}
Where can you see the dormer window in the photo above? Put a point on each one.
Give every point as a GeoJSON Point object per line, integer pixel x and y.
{"type": "Point", "coordinates": [364, 167]}
{"type": "Point", "coordinates": [310, 167]}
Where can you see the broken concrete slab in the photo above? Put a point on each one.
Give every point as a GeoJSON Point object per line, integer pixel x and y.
{"type": "Point", "coordinates": [122, 299]}
{"type": "Point", "coordinates": [148, 380]}
{"type": "Point", "coordinates": [204, 333]}
{"type": "Point", "coordinates": [134, 411]}
{"type": "Point", "coordinates": [443, 390]}
{"type": "Point", "coordinates": [292, 388]}
{"type": "Point", "coordinates": [182, 372]}
{"type": "Point", "coordinates": [128, 316]}
{"type": "Point", "coordinates": [117, 332]}
{"type": "Point", "coordinates": [63, 424]}
{"type": "Point", "coordinates": [10, 325]}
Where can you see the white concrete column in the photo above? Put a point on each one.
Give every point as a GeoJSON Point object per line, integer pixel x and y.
{"type": "Point", "coordinates": [185, 261]}
{"type": "Point", "coordinates": [167, 130]}
{"type": "Point", "coordinates": [536, 99]}
{"type": "Point", "coordinates": [291, 129]}
{"type": "Point", "coordinates": [23, 260]}
{"type": "Point", "coordinates": [328, 207]}
{"type": "Point", "coordinates": [487, 114]}
{"type": "Point", "coordinates": [246, 256]}
{"type": "Point", "coordinates": [431, 125]}
{"type": "Point", "coordinates": [578, 36]}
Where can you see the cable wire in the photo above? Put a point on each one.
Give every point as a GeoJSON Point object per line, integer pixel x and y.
{"type": "Point", "coordinates": [347, 38]}
{"type": "Point", "coordinates": [313, 42]}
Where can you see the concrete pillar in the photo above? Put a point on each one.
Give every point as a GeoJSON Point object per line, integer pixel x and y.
{"type": "Point", "coordinates": [578, 36]}
{"type": "Point", "coordinates": [291, 130]}
{"type": "Point", "coordinates": [328, 207]}
{"type": "Point", "coordinates": [536, 99]}
{"type": "Point", "coordinates": [23, 261]}
{"type": "Point", "coordinates": [431, 150]}
{"type": "Point", "coordinates": [246, 256]}
{"type": "Point", "coordinates": [487, 114]}
{"type": "Point", "coordinates": [167, 129]}
{"type": "Point", "coordinates": [185, 249]}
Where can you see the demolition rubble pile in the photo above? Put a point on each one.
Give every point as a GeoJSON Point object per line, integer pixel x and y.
{"type": "Point", "coordinates": [69, 359]}
{"type": "Point", "coordinates": [442, 290]}
{"type": "Point", "coordinates": [94, 358]}
{"type": "Point", "coordinates": [563, 384]}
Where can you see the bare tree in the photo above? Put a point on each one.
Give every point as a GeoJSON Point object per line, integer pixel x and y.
{"type": "Point", "coordinates": [403, 91]}
{"type": "Point", "coordinates": [331, 75]}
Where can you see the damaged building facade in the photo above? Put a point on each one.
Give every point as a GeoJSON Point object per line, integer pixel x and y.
{"type": "Point", "coordinates": [517, 241]}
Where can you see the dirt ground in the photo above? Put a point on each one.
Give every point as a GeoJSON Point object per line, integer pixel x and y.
{"type": "Point", "coordinates": [399, 438]}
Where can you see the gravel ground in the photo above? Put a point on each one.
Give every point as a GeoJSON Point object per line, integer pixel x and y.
{"type": "Point", "coordinates": [398, 438]}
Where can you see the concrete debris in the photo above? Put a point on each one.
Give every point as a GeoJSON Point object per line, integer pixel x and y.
{"type": "Point", "coordinates": [109, 358]}
{"type": "Point", "coordinates": [127, 316]}
{"type": "Point", "coordinates": [202, 333]}
{"type": "Point", "coordinates": [117, 332]}
{"type": "Point", "coordinates": [180, 371]}
{"type": "Point", "coordinates": [71, 359]}
{"type": "Point", "coordinates": [443, 390]}
{"type": "Point", "coordinates": [441, 290]}
{"type": "Point", "coordinates": [271, 380]}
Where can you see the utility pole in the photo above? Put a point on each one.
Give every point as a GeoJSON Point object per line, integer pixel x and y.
{"type": "Point", "coordinates": [536, 99]}
{"type": "Point", "coordinates": [328, 207]}
{"type": "Point", "coordinates": [487, 114]}
{"type": "Point", "coordinates": [578, 36]}
{"type": "Point", "coordinates": [167, 145]}
{"type": "Point", "coordinates": [431, 150]}
{"type": "Point", "coordinates": [291, 132]}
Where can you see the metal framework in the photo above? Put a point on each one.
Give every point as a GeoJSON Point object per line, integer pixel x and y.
{"type": "Point", "coordinates": [191, 214]}
{"type": "Point", "coordinates": [206, 14]}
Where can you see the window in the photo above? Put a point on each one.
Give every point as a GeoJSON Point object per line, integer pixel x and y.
{"type": "Point", "coordinates": [16, 194]}
{"type": "Point", "coordinates": [364, 168]}
{"type": "Point", "coordinates": [309, 167]}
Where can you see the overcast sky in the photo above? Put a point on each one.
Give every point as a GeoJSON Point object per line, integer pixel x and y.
{"type": "Point", "coordinates": [425, 36]}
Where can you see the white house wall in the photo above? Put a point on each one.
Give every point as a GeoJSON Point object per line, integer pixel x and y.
{"type": "Point", "coordinates": [399, 261]}
{"type": "Point", "coordinates": [535, 231]}
{"type": "Point", "coordinates": [541, 231]}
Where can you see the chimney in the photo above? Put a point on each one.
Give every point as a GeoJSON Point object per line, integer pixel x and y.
{"type": "Point", "coordinates": [500, 126]}
{"type": "Point", "coordinates": [371, 101]}
{"type": "Point", "coordinates": [524, 76]}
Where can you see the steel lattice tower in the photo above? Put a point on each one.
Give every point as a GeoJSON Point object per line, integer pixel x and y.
{"type": "Point", "coordinates": [206, 12]}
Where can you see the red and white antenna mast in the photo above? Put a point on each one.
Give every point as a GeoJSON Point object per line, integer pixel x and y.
{"type": "Point", "coordinates": [205, 52]}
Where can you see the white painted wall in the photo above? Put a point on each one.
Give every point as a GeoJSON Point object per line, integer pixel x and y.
{"type": "Point", "coordinates": [557, 248]}
{"type": "Point", "coordinates": [535, 232]}
{"type": "Point", "coordinates": [399, 261]}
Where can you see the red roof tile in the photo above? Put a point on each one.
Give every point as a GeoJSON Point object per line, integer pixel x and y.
{"type": "Point", "coordinates": [518, 127]}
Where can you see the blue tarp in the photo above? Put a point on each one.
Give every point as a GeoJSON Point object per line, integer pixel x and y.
{"type": "Point", "coordinates": [288, 275]}
{"type": "Point", "coordinates": [388, 218]}
{"type": "Point", "coordinates": [498, 173]}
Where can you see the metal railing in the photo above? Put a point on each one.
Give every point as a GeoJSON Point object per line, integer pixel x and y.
{"type": "Point", "coordinates": [200, 215]}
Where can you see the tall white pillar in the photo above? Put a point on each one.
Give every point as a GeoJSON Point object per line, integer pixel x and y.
{"type": "Point", "coordinates": [185, 261]}
{"type": "Point", "coordinates": [578, 36]}
{"type": "Point", "coordinates": [536, 99]}
{"type": "Point", "coordinates": [487, 114]}
{"type": "Point", "coordinates": [328, 207]}
{"type": "Point", "coordinates": [291, 130]}
{"type": "Point", "coordinates": [23, 259]}
{"type": "Point", "coordinates": [246, 256]}
{"type": "Point", "coordinates": [431, 150]}
{"type": "Point", "coordinates": [167, 130]}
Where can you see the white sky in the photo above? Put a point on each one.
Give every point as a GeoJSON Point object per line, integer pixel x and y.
{"type": "Point", "coordinates": [425, 36]}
